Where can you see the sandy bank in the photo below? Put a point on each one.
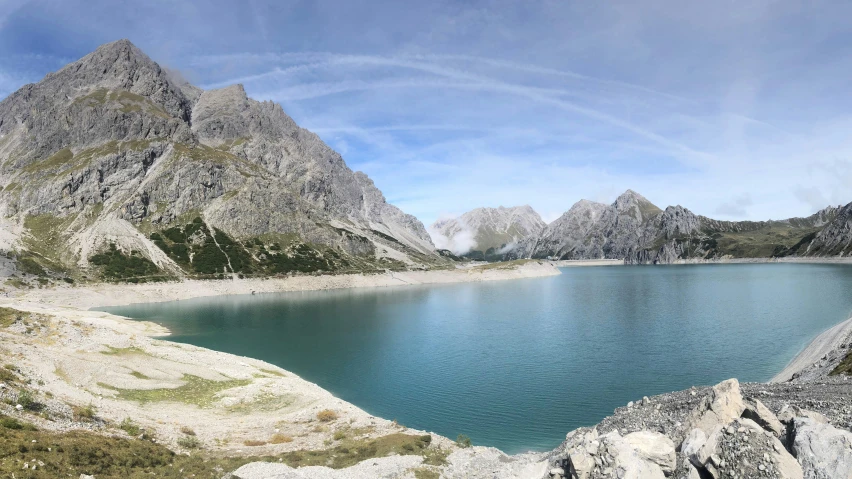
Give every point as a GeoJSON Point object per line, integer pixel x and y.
{"type": "Point", "coordinates": [588, 262]}
{"type": "Point", "coordinates": [827, 342]}
{"type": "Point", "coordinates": [90, 296]}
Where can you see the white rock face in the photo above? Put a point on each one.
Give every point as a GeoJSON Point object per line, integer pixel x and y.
{"type": "Point", "coordinates": [484, 229]}
{"type": "Point", "coordinates": [654, 447]}
{"type": "Point", "coordinates": [823, 450]}
{"type": "Point", "coordinates": [723, 406]}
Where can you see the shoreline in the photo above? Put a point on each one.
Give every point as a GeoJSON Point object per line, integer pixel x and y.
{"type": "Point", "coordinates": [108, 294]}
{"type": "Point", "coordinates": [818, 348]}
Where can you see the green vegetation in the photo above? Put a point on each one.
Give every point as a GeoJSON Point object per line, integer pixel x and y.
{"type": "Point", "coordinates": [845, 366]}
{"type": "Point", "coordinates": [195, 390]}
{"type": "Point", "coordinates": [45, 240]}
{"type": "Point", "coordinates": [74, 453]}
{"type": "Point", "coordinates": [123, 351]}
{"type": "Point", "coordinates": [463, 441]}
{"type": "Point", "coordinates": [189, 442]}
{"type": "Point", "coordinates": [130, 427]}
{"type": "Point", "coordinates": [272, 372]}
{"type": "Point", "coordinates": [137, 374]}
{"type": "Point", "coordinates": [126, 101]}
{"type": "Point", "coordinates": [205, 253]}
{"type": "Point", "coordinates": [86, 413]}
{"type": "Point", "coordinates": [12, 423]}
{"type": "Point", "coordinates": [424, 473]}
{"type": "Point", "coordinates": [115, 265]}
{"type": "Point", "coordinates": [9, 316]}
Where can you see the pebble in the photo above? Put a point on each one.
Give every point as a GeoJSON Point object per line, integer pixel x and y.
{"type": "Point", "coordinates": [19, 407]}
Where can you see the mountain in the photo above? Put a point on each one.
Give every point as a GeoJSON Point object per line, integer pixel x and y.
{"type": "Point", "coordinates": [634, 229]}
{"type": "Point", "coordinates": [484, 232]}
{"type": "Point", "coordinates": [114, 155]}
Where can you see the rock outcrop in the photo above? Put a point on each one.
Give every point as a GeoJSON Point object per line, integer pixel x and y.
{"type": "Point", "coordinates": [113, 147]}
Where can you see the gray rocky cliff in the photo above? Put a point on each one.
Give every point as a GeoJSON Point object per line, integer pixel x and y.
{"type": "Point", "coordinates": [635, 230]}
{"type": "Point", "coordinates": [113, 141]}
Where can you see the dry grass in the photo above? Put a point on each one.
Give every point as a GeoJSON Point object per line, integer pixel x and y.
{"type": "Point", "coordinates": [280, 439]}
{"type": "Point", "coordinates": [327, 415]}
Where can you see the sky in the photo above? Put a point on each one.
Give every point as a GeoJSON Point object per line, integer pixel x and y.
{"type": "Point", "coordinates": [735, 110]}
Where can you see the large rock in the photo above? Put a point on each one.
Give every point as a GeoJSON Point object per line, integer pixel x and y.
{"type": "Point", "coordinates": [654, 447]}
{"type": "Point", "coordinates": [623, 461]}
{"type": "Point", "coordinates": [824, 451]}
{"type": "Point", "coordinates": [724, 404]}
{"type": "Point", "coordinates": [757, 412]}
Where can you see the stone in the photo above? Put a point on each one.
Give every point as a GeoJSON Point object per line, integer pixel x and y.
{"type": "Point", "coordinates": [788, 413]}
{"type": "Point", "coordinates": [822, 450]}
{"type": "Point", "coordinates": [557, 472]}
{"type": "Point", "coordinates": [654, 447]}
{"type": "Point", "coordinates": [757, 412]}
{"type": "Point", "coordinates": [627, 462]}
{"type": "Point", "coordinates": [693, 443]}
{"type": "Point", "coordinates": [724, 404]}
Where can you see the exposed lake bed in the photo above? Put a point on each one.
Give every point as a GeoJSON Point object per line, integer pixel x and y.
{"type": "Point", "coordinates": [517, 364]}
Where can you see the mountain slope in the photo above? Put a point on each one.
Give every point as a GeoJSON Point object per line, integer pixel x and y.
{"type": "Point", "coordinates": [112, 148]}
{"type": "Point", "coordinates": [634, 229]}
{"type": "Point", "coordinates": [485, 231]}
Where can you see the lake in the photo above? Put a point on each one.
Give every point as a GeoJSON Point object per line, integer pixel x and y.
{"type": "Point", "coordinates": [517, 364]}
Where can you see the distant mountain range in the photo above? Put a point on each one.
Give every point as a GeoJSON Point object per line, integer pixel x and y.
{"type": "Point", "coordinates": [634, 229]}
{"type": "Point", "coordinates": [486, 232]}
{"type": "Point", "coordinates": [114, 158]}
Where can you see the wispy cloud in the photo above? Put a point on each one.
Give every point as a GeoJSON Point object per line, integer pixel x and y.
{"type": "Point", "coordinates": [736, 111]}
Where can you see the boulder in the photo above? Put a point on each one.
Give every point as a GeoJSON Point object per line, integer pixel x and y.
{"type": "Point", "coordinates": [693, 443]}
{"type": "Point", "coordinates": [581, 445]}
{"type": "Point", "coordinates": [788, 413]}
{"type": "Point", "coordinates": [625, 461]}
{"type": "Point", "coordinates": [723, 405]}
{"type": "Point", "coordinates": [824, 451]}
{"type": "Point", "coordinates": [757, 412]}
{"type": "Point", "coordinates": [654, 447]}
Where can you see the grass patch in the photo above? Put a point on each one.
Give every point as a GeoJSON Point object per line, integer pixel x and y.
{"type": "Point", "coordinates": [845, 366]}
{"type": "Point", "coordinates": [189, 442]}
{"type": "Point", "coordinates": [9, 316]}
{"type": "Point", "coordinates": [280, 439]}
{"type": "Point", "coordinates": [264, 402]}
{"type": "Point", "coordinates": [124, 351]}
{"type": "Point", "coordinates": [130, 427]}
{"type": "Point", "coordinates": [463, 441]}
{"type": "Point", "coordinates": [14, 424]}
{"type": "Point", "coordinates": [137, 374]}
{"type": "Point", "coordinates": [273, 373]}
{"type": "Point", "coordinates": [195, 390]}
{"type": "Point", "coordinates": [425, 473]}
{"type": "Point", "coordinates": [74, 453]}
{"type": "Point", "coordinates": [187, 430]}
{"type": "Point", "coordinates": [253, 443]}
{"type": "Point", "coordinates": [327, 415]}
{"type": "Point", "coordinates": [86, 413]}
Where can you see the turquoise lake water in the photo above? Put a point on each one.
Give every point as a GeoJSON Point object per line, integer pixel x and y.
{"type": "Point", "coordinates": [517, 364]}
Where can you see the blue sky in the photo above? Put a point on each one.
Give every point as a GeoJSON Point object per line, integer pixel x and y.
{"type": "Point", "coordinates": [736, 110]}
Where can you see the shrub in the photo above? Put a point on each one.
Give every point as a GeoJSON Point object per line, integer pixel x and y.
{"type": "Point", "coordinates": [12, 423]}
{"type": "Point", "coordinates": [326, 415]}
{"type": "Point", "coordinates": [462, 441]}
{"type": "Point", "coordinates": [280, 439]}
{"type": "Point", "coordinates": [189, 442]}
{"type": "Point", "coordinates": [130, 427]}
{"type": "Point", "coordinates": [187, 431]}
{"type": "Point", "coordinates": [26, 399]}
{"type": "Point", "coordinates": [253, 443]}
{"type": "Point", "coordinates": [426, 439]}
{"type": "Point", "coordinates": [339, 435]}
{"type": "Point", "coordinates": [84, 413]}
